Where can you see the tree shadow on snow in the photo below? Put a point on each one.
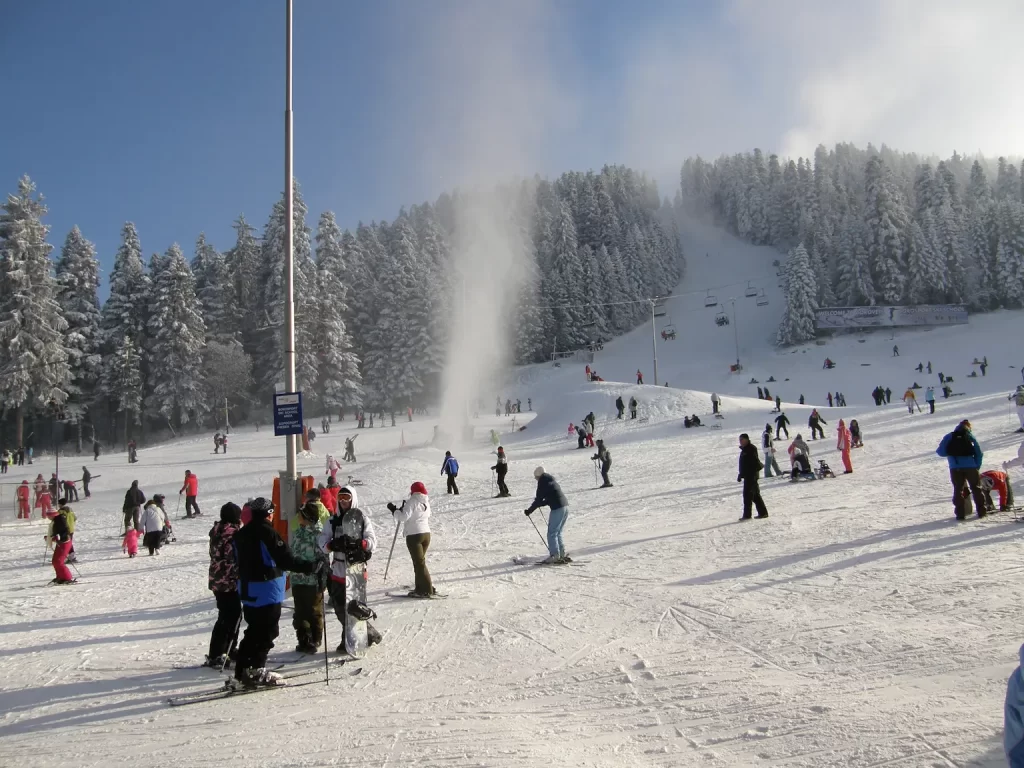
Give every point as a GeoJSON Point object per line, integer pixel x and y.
{"type": "Point", "coordinates": [155, 688]}
{"type": "Point", "coordinates": [984, 535]}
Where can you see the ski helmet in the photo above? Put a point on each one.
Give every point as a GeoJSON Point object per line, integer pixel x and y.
{"type": "Point", "coordinates": [310, 512]}
{"type": "Point", "coordinates": [418, 487]}
{"type": "Point", "coordinates": [538, 472]}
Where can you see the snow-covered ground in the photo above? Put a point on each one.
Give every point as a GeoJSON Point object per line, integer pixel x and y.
{"type": "Point", "coordinates": [859, 626]}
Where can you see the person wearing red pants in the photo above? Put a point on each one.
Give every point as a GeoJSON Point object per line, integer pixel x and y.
{"type": "Point", "coordinates": [61, 536]}
{"type": "Point", "coordinates": [844, 444]}
{"type": "Point", "coordinates": [24, 512]}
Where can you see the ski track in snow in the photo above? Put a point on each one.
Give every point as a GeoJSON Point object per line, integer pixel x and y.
{"type": "Point", "coordinates": [859, 626]}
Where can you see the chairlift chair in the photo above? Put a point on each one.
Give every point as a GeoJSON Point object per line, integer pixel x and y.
{"type": "Point", "coordinates": [762, 300]}
{"type": "Point", "coordinates": [668, 332]}
{"type": "Point", "coordinates": [721, 318]}
{"type": "Point", "coordinates": [751, 291]}
{"type": "Point", "coordinates": [709, 300]}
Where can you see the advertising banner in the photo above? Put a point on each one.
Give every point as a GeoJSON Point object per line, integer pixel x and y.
{"type": "Point", "coordinates": [890, 317]}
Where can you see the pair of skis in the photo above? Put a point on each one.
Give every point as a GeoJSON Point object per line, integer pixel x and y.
{"type": "Point", "coordinates": [226, 690]}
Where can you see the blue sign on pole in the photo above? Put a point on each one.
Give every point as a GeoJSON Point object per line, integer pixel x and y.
{"type": "Point", "coordinates": [287, 413]}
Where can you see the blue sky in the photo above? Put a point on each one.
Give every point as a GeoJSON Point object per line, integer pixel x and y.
{"type": "Point", "coordinates": [171, 114]}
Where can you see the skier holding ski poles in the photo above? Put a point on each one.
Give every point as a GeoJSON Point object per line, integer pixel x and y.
{"type": "Point", "coordinates": [549, 494]}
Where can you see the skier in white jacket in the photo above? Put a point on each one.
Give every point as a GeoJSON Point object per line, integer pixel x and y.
{"type": "Point", "coordinates": [153, 520]}
{"type": "Point", "coordinates": [415, 513]}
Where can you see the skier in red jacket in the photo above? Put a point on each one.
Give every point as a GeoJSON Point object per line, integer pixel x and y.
{"type": "Point", "coordinates": [191, 490]}
{"type": "Point", "coordinates": [997, 480]}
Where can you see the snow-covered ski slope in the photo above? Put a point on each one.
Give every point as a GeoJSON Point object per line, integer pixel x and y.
{"type": "Point", "coordinates": [858, 626]}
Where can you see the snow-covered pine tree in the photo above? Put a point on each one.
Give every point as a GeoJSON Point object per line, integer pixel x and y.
{"type": "Point", "coordinates": [1010, 254]}
{"type": "Point", "coordinates": [982, 247]}
{"type": "Point", "coordinates": [920, 260]}
{"type": "Point", "coordinates": [227, 376]}
{"type": "Point", "coordinates": [1008, 182]}
{"type": "Point", "coordinates": [268, 360]}
{"type": "Point", "coordinates": [978, 191]}
{"type": "Point", "coordinates": [799, 323]}
{"type": "Point", "coordinates": [338, 382]}
{"type": "Point", "coordinates": [78, 277]}
{"type": "Point", "coordinates": [34, 368]}
{"type": "Point", "coordinates": [214, 288]}
{"type": "Point", "coordinates": [856, 288]}
{"type": "Point", "coordinates": [179, 335]}
{"type": "Point", "coordinates": [244, 266]}
{"type": "Point", "coordinates": [123, 376]}
{"type": "Point", "coordinates": [886, 219]}
{"type": "Point", "coordinates": [126, 309]}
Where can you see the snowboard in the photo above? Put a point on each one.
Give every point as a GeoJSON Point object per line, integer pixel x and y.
{"type": "Point", "coordinates": [355, 629]}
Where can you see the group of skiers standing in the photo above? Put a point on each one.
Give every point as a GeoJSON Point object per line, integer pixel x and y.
{"type": "Point", "coordinates": [964, 456]}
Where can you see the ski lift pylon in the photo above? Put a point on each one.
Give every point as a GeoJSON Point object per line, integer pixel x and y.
{"type": "Point", "coordinates": [751, 291]}
{"type": "Point", "coordinates": [709, 300]}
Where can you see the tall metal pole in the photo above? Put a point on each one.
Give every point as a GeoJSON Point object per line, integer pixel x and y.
{"type": "Point", "coordinates": [654, 344]}
{"type": "Point", "coordinates": [289, 258]}
{"type": "Point", "coordinates": [736, 335]}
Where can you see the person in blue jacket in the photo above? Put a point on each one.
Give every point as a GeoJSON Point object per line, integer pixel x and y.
{"type": "Point", "coordinates": [964, 456]}
{"type": "Point", "coordinates": [451, 468]}
{"type": "Point", "coordinates": [1013, 717]}
{"type": "Point", "coordinates": [550, 495]}
{"type": "Point", "coordinates": [262, 557]}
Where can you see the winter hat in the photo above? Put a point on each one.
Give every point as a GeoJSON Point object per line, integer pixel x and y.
{"type": "Point", "coordinates": [231, 513]}
{"type": "Point", "coordinates": [744, 436]}
{"type": "Point", "coordinates": [260, 508]}
{"type": "Point", "coordinates": [310, 512]}
{"type": "Point", "coordinates": [447, 453]}
{"type": "Point", "coordinates": [418, 487]}
{"type": "Point", "coordinates": [538, 472]}
{"type": "Point", "coordinates": [313, 494]}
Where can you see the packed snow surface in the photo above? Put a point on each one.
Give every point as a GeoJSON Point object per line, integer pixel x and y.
{"type": "Point", "coordinates": [860, 625]}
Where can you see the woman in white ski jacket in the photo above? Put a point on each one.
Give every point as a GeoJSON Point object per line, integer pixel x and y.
{"type": "Point", "coordinates": [153, 520]}
{"type": "Point", "coordinates": [415, 513]}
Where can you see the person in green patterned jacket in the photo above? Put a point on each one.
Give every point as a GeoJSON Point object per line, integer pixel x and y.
{"type": "Point", "coordinates": [308, 619]}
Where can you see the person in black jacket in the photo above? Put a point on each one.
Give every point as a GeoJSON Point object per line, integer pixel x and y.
{"type": "Point", "coordinates": [501, 468]}
{"type": "Point", "coordinates": [605, 457]}
{"type": "Point", "coordinates": [750, 468]}
{"type": "Point", "coordinates": [814, 421]}
{"type": "Point", "coordinates": [263, 557]}
{"type": "Point", "coordinates": [620, 406]}
{"type": "Point", "coordinates": [781, 422]}
{"type": "Point", "coordinates": [549, 494]}
{"type": "Point", "coordinates": [133, 501]}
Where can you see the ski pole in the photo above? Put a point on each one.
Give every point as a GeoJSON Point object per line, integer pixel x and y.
{"type": "Point", "coordinates": [397, 526]}
{"type": "Point", "coordinates": [78, 572]}
{"type": "Point", "coordinates": [327, 665]}
{"type": "Point", "coordinates": [538, 532]}
{"type": "Point", "coordinates": [178, 507]}
{"type": "Point", "coordinates": [234, 641]}
{"type": "Point", "coordinates": [492, 482]}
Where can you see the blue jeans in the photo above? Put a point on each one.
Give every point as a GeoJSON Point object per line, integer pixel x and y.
{"type": "Point", "coordinates": [556, 522]}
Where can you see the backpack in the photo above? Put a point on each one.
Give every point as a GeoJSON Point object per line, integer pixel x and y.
{"type": "Point", "coordinates": [959, 444]}
{"type": "Point", "coordinates": [453, 465]}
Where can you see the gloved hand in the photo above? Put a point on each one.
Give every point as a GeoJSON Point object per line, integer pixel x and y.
{"type": "Point", "coordinates": [527, 512]}
{"type": "Point", "coordinates": [392, 508]}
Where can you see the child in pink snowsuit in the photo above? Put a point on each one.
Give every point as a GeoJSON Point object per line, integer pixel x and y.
{"type": "Point", "coordinates": [130, 544]}
{"type": "Point", "coordinates": [844, 444]}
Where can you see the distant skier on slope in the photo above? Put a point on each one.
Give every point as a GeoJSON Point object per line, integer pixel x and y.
{"type": "Point", "coordinates": [781, 425]}
{"type": "Point", "coordinates": [844, 444]}
{"type": "Point", "coordinates": [450, 467]}
{"type": "Point", "coordinates": [715, 401]}
{"type": "Point", "coordinates": [814, 421]}
{"type": "Point", "coordinates": [605, 457]}
{"type": "Point", "coordinates": [501, 469]}
{"type": "Point", "coordinates": [549, 494]}
{"type": "Point", "coordinates": [749, 470]}
{"type": "Point", "coordinates": [1018, 399]}
{"type": "Point", "coordinates": [768, 447]}
{"type": "Point", "coordinates": [620, 407]}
